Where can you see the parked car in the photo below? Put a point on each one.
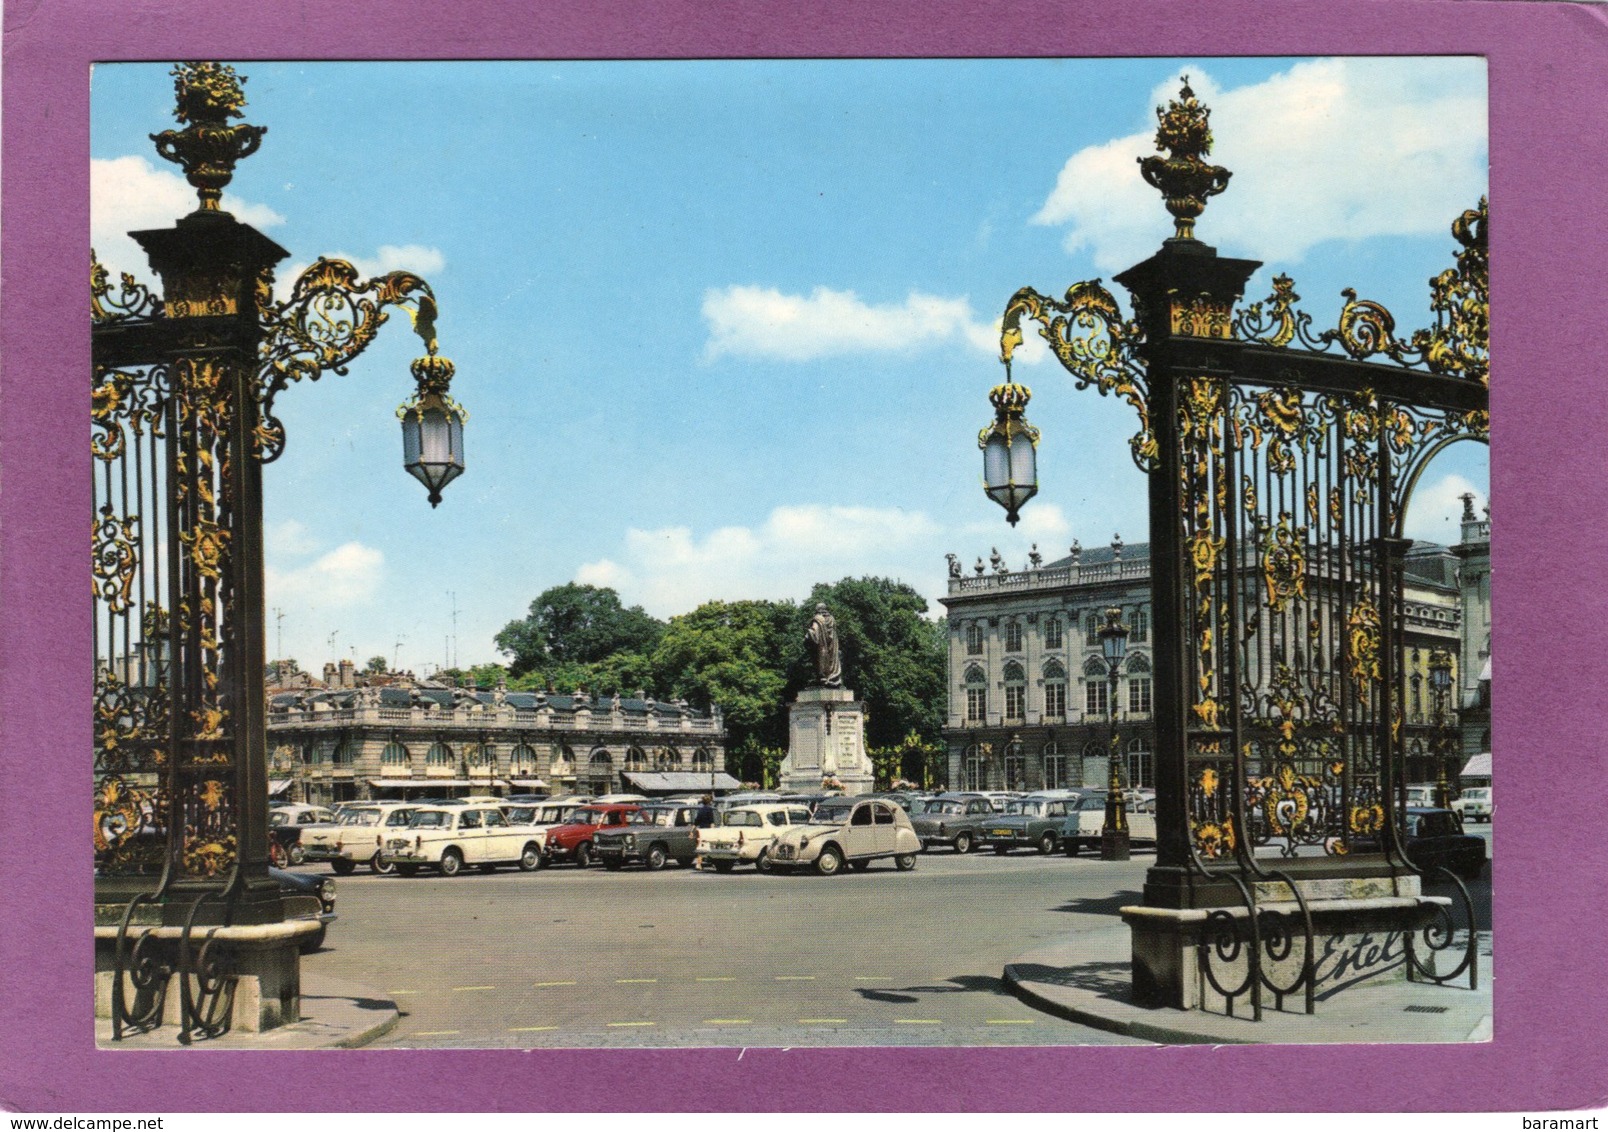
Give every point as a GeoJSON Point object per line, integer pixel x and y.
{"type": "Point", "coordinates": [870, 829]}
{"type": "Point", "coordinates": [1085, 824]}
{"type": "Point", "coordinates": [1435, 839]}
{"type": "Point", "coordinates": [746, 798]}
{"type": "Point", "coordinates": [652, 835]}
{"type": "Point", "coordinates": [447, 838]}
{"type": "Point", "coordinates": [1027, 823]}
{"type": "Point", "coordinates": [358, 837]}
{"type": "Point", "coordinates": [744, 835]}
{"type": "Point", "coordinates": [573, 840]}
{"type": "Point", "coordinates": [1475, 804]}
{"type": "Point", "coordinates": [1421, 794]}
{"type": "Point", "coordinates": [307, 897]}
{"type": "Point", "coordinates": [952, 820]}
{"type": "Point", "coordinates": [285, 824]}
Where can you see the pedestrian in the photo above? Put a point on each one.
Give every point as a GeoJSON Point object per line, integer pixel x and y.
{"type": "Point", "coordinates": [703, 819]}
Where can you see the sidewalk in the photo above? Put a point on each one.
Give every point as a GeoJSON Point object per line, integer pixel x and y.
{"type": "Point", "coordinates": [335, 1015]}
{"type": "Point", "coordinates": [1086, 979]}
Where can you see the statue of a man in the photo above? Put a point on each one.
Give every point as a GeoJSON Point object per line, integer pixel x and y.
{"type": "Point", "coordinates": [823, 641]}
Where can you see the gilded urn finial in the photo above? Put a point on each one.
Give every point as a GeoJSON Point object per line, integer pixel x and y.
{"type": "Point", "coordinates": [208, 95]}
{"type": "Point", "coordinates": [1186, 182]}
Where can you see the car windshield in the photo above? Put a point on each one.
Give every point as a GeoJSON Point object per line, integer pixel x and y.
{"type": "Point", "coordinates": [651, 817]}
{"type": "Point", "coordinates": [742, 817]}
{"type": "Point", "coordinates": [1032, 808]}
{"type": "Point", "coordinates": [360, 817]}
{"type": "Point", "coordinates": [431, 819]}
{"type": "Point", "coordinates": [945, 807]}
{"type": "Point", "coordinates": [1477, 793]}
{"type": "Point", "coordinates": [588, 817]}
{"type": "Point", "coordinates": [1092, 804]}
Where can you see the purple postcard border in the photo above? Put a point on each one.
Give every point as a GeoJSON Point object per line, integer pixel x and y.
{"type": "Point", "coordinates": [1548, 84]}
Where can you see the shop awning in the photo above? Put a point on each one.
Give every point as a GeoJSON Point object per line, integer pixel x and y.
{"type": "Point", "coordinates": [1478, 767]}
{"type": "Point", "coordinates": [528, 783]}
{"type": "Point", "coordinates": [278, 786]}
{"type": "Point", "coordinates": [680, 781]}
{"type": "Point", "coordinates": [433, 783]}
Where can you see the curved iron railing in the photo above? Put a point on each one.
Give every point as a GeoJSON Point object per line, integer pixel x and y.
{"type": "Point", "coordinates": [1440, 935]}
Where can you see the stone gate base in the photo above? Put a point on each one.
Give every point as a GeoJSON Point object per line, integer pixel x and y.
{"type": "Point", "coordinates": [264, 961]}
{"type": "Point", "coordinates": [1356, 938]}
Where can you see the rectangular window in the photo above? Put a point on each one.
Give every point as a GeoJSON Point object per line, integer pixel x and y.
{"type": "Point", "coordinates": [974, 640]}
{"type": "Point", "coordinates": [1055, 700]}
{"type": "Point", "coordinates": [1013, 701]}
{"type": "Point", "coordinates": [1052, 634]}
{"type": "Point", "coordinates": [976, 704]}
{"type": "Point", "coordinates": [1091, 628]}
{"type": "Point", "coordinates": [1139, 694]}
{"type": "Point", "coordinates": [1094, 697]}
{"type": "Point", "coordinates": [1013, 637]}
{"type": "Point", "coordinates": [1054, 772]}
{"type": "Point", "coordinates": [1141, 627]}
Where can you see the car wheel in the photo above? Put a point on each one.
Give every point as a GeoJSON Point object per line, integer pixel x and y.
{"type": "Point", "coordinates": [380, 867]}
{"type": "Point", "coordinates": [1001, 850]}
{"type": "Point", "coordinates": [583, 854]}
{"type": "Point", "coordinates": [655, 858]}
{"type": "Point", "coordinates": [905, 862]}
{"type": "Point", "coordinates": [762, 863]}
{"type": "Point", "coordinates": [530, 860]}
{"type": "Point", "coordinates": [297, 854]}
{"type": "Point", "coordinates": [830, 861]}
{"type": "Point", "coordinates": [859, 866]}
{"type": "Point", "coordinates": [407, 870]}
{"type": "Point", "coordinates": [315, 941]}
{"type": "Point", "coordinates": [963, 843]}
{"type": "Point", "coordinates": [451, 863]}
{"type": "Point", "coordinates": [1046, 844]}
{"type": "Point", "coordinates": [343, 867]}
{"type": "Point", "coordinates": [614, 864]}
{"type": "Point", "coordinates": [724, 866]}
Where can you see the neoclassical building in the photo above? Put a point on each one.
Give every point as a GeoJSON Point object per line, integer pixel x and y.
{"type": "Point", "coordinates": [1028, 683]}
{"type": "Point", "coordinates": [342, 743]}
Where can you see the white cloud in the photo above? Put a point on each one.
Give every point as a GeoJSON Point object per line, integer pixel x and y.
{"type": "Point", "coordinates": [417, 258]}
{"type": "Point", "coordinates": [349, 575]}
{"type": "Point", "coordinates": [127, 194]}
{"type": "Point", "coordinates": [670, 570]}
{"type": "Point", "coordinates": [1435, 510]}
{"type": "Point", "coordinates": [1330, 149]}
{"type": "Point", "coordinates": [290, 538]}
{"type": "Point", "coordinates": [761, 322]}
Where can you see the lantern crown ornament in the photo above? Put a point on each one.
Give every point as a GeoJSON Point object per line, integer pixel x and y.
{"type": "Point", "coordinates": [432, 422]}
{"type": "Point", "coordinates": [208, 95]}
{"type": "Point", "coordinates": [1186, 181]}
{"type": "Point", "coordinates": [1010, 459]}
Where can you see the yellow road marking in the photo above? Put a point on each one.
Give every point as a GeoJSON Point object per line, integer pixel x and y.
{"type": "Point", "coordinates": [633, 1023]}
{"type": "Point", "coordinates": [474, 988]}
{"type": "Point", "coordinates": [401, 992]}
{"type": "Point", "coordinates": [636, 980]}
{"type": "Point", "coordinates": [872, 978]}
{"type": "Point", "coordinates": [917, 1022]}
{"type": "Point", "coordinates": [727, 1021]}
{"type": "Point", "coordinates": [794, 978]}
{"type": "Point", "coordinates": [529, 1029]}
{"type": "Point", "coordinates": [560, 983]}
{"type": "Point", "coordinates": [808, 1021]}
{"type": "Point", "coordinates": [1010, 1021]}
{"type": "Point", "coordinates": [436, 1033]}
{"type": "Point", "coordinates": [717, 978]}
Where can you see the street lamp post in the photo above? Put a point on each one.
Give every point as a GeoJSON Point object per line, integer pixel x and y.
{"type": "Point", "coordinates": [1114, 835]}
{"type": "Point", "coordinates": [183, 422]}
{"type": "Point", "coordinates": [1440, 679]}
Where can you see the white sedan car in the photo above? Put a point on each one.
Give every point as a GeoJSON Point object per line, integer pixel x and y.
{"type": "Point", "coordinates": [745, 835]}
{"type": "Point", "coordinates": [870, 830]}
{"type": "Point", "coordinates": [447, 838]}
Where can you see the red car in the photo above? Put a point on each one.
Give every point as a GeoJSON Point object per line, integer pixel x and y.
{"type": "Point", "coordinates": [572, 841]}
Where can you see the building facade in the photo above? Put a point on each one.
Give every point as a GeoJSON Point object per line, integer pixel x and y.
{"type": "Point", "coordinates": [418, 739]}
{"type": "Point", "coordinates": [1029, 690]}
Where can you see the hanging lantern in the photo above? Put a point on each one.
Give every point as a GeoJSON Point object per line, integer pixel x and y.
{"type": "Point", "coordinates": [1010, 459]}
{"type": "Point", "coordinates": [432, 427]}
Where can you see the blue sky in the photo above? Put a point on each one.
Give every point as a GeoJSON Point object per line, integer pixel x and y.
{"type": "Point", "coordinates": [726, 329]}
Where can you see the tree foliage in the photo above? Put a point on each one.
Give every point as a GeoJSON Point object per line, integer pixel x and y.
{"type": "Point", "coordinates": [576, 624]}
{"type": "Point", "coordinates": [737, 655]}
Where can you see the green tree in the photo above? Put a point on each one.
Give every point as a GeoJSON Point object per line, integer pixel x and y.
{"type": "Point", "coordinates": [475, 676]}
{"type": "Point", "coordinates": [576, 624]}
{"type": "Point", "coordinates": [376, 666]}
{"type": "Point", "coordinates": [894, 657]}
{"type": "Point", "coordinates": [738, 655]}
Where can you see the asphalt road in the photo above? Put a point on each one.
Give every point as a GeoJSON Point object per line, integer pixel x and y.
{"type": "Point", "coordinates": [571, 958]}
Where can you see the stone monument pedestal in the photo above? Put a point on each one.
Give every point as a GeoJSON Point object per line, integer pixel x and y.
{"type": "Point", "coordinates": [826, 738]}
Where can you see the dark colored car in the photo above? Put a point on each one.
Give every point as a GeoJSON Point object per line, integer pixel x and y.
{"type": "Point", "coordinates": [307, 897]}
{"type": "Point", "coordinates": [573, 841]}
{"type": "Point", "coordinates": [1435, 839]}
{"type": "Point", "coordinates": [953, 820]}
{"type": "Point", "coordinates": [1027, 823]}
{"type": "Point", "coordinates": [652, 835]}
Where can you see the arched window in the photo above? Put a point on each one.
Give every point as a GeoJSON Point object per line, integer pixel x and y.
{"type": "Point", "coordinates": [1141, 763]}
{"type": "Point", "coordinates": [563, 761]}
{"type": "Point", "coordinates": [703, 762]}
{"type": "Point", "coordinates": [635, 760]}
{"type": "Point", "coordinates": [1015, 766]}
{"type": "Point", "coordinates": [1052, 633]}
{"type": "Point", "coordinates": [1096, 771]}
{"type": "Point", "coordinates": [395, 755]}
{"type": "Point", "coordinates": [600, 770]}
{"type": "Point", "coordinates": [974, 770]}
{"type": "Point", "coordinates": [974, 639]}
{"type": "Point", "coordinates": [1013, 636]}
{"type": "Point", "coordinates": [474, 756]}
{"type": "Point", "coordinates": [666, 758]}
{"type": "Point", "coordinates": [1015, 691]}
{"type": "Point", "coordinates": [1139, 686]}
{"type": "Point", "coordinates": [439, 756]}
{"type": "Point", "coordinates": [1054, 767]}
{"type": "Point", "coordinates": [976, 695]}
{"type": "Point", "coordinates": [522, 760]}
{"type": "Point", "coordinates": [315, 754]}
{"type": "Point", "coordinates": [1054, 691]}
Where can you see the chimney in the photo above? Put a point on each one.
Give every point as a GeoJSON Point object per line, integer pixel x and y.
{"type": "Point", "coordinates": [348, 674]}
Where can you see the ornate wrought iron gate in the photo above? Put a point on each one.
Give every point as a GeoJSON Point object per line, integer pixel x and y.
{"type": "Point", "coordinates": [1280, 462]}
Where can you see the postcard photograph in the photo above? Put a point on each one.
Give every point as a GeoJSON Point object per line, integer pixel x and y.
{"type": "Point", "coordinates": [791, 553]}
